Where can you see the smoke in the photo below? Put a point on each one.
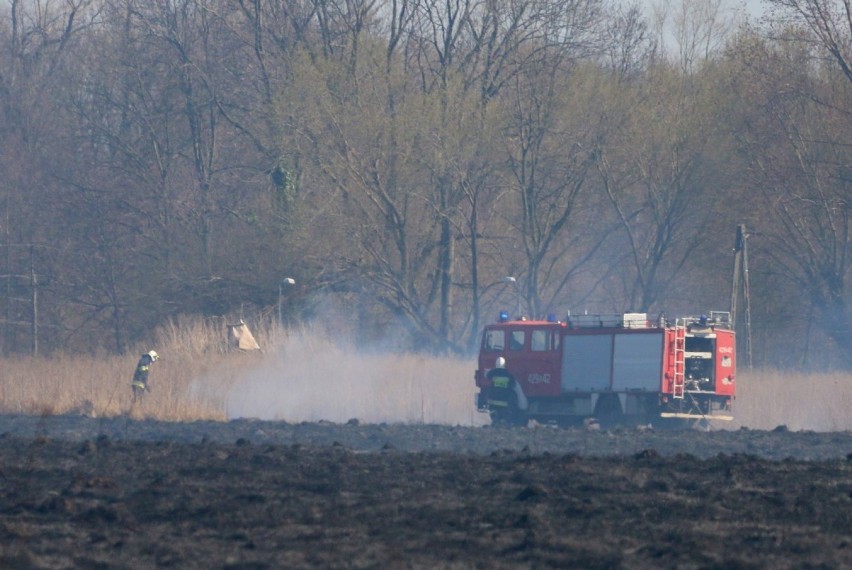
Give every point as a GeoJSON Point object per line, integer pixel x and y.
{"type": "Point", "coordinates": [310, 378]}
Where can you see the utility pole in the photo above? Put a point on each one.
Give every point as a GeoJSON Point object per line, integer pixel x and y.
{"type": "Point", "coordinates": [34, 287]}
{"type": "Point", "coordinates": [740, 281]}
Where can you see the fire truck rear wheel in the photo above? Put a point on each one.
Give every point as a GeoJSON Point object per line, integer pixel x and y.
{"type": "Point", "coordinates": [608, 410]}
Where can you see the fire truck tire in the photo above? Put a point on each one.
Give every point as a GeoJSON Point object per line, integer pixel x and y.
{"type": "Point", "coordinates": [608, 410]}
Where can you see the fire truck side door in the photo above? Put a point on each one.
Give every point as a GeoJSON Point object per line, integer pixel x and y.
{"type": "Point", "coordinates": [536, 365]}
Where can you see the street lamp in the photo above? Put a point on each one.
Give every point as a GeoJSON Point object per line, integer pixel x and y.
{"type": "Point", "coordinates": [510, 279]}
{"type": "Point", "coordinates": [285, 281]}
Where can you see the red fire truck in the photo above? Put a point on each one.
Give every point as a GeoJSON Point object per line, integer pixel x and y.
{"type": "Point", "coordinates": [617, 369]}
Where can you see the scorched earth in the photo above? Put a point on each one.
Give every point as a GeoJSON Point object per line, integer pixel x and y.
{"type": "Point", "coordinates": [116, 493]}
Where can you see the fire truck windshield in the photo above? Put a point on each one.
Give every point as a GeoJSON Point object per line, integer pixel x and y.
{"type": "Point", "coordinates": [699, 344]}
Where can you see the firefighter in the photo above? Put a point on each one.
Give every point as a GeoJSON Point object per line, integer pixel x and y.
{"type": "Point", "coordinates": [139, 384]}
{"type": "Point", "coordinates": [502, 395]}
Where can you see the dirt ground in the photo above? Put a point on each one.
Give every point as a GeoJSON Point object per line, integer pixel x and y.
{"type": "Point", "coordinates": [77, 492]}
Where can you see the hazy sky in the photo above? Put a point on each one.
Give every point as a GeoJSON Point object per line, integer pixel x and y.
{"type": "Point", "coordinates": [751, 8]}
{"type": "Point", "coordinates": [732, 12]}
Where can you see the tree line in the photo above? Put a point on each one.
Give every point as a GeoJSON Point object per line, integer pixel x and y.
{"type": "Point", "coordinates": [416, 166]}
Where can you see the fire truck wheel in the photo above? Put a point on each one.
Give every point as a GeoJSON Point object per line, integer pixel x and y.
{"type": "Point", "coordinates": [608, 410]}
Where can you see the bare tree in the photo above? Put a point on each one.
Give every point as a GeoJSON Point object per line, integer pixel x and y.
{"type": "Point", "coordinates": [550, 161]}
{"type": "Point", "coordinates": [661, 169]}
{"type": "Point", "coordinates": [796, 139]}
{"type": "Point", "coordinates": [697, 29]}
{"type": "Point", "coordinates": [38, 44]}
{"type": "Point", "coordinates": [628, 46]}
{"type": "Point", "coordinates": [830, 23]}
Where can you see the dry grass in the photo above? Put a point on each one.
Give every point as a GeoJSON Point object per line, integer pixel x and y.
{"type": "Point", "coordinates": [769, 398]}
{"type": "Point", "coordinates": [101, 387]}
{"type": "Point", "coordinates": [301, 376]}
{"type": "Point", "coordinates": [306, 376]}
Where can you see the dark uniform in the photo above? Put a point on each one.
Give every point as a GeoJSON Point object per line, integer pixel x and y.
{"type": "Point", "coordinates": [139, 384]}
{"type": "Point", "coordinates": [501, 394]}
{"type": "Point", "coordinates": [502, 398]}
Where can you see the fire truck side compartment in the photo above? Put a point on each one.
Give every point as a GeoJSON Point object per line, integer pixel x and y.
{"type": "Point", "coordinates": [625, 361]}
{"type": "Point", "coordinates": [637, 361]}
{"type": "Point", "coordinates": [586, 362]}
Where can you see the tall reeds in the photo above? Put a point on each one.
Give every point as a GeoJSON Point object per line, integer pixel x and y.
{"type": "Point", "coordinates": [769, 398]}
{"type": "Point", "coordinates": [301, 375]}
{"type": "Point", "coordinates": [306, 375]}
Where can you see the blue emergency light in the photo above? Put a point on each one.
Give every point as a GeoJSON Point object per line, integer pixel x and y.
{"type": "Point", "coordinates": [504, 316]}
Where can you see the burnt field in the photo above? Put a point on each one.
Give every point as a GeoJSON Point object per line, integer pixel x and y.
{"type": "Point", "coordinates": [118, 493]}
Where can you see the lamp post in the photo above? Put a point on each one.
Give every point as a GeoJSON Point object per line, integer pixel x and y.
{"type": "Point", "coordinates": [511, 279]}
{"type": "Point", "coordinates": [285, 281]}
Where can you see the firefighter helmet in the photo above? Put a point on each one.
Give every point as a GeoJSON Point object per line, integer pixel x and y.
{"type": "Point", "coordinates": [154, 356]}
{"type": "Point", "coordinates": [500, 362]}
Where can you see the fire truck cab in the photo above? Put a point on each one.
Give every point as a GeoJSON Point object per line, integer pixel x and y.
{"type": "Point", "coordinates": [617, 368]}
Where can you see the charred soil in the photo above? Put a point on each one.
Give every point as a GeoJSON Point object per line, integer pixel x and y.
{"type": "Point", "coordinates": [88, 493]}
